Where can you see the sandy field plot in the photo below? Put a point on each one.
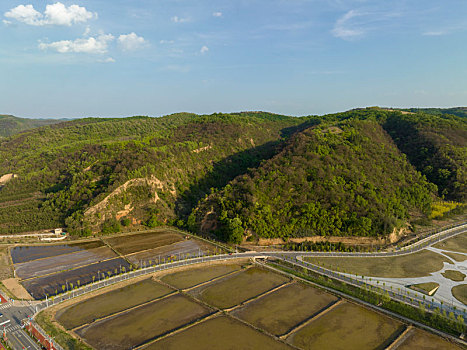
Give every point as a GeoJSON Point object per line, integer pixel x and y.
{"type": "Point", "coordinates": [139, 325]}
{"type": "Point", "coordinates": [180, 249]}
{"type": "Point", "coordinates": [285, 308]}
{"type": "Point", "coordinates": [460, 293]}
{"type": "Point", "coordinates": [421, 340]}
{"type": "Point", "coordinates": [347, 327]}
{"type": "Point", "coordinates": [192, 277]}
{"type": "Point", "coordinates": [233, 290]}
{"type": "Point", "coordinates": [53, 284]}
{"type": "Point", "coordinates": [412, 265]}
{"type": "Point", "coordinates": [27, 253]}
{"type": "Point", "coordinates": [6, 270]}
{"type": "Point", "coordinates": [218, 333]}
{"type": "Point", "coordinates": [455, 244]}
{"type": "Point", "coordinates": [143, 241]}
{"type": "Point", "coordinates": [111, 302]}
{"type": "Point", "coordinates": [45, 266]}
{"type": "Point", "coordinates": [15, 288]}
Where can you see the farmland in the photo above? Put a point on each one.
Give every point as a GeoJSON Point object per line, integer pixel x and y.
{"type": "Point", "coordinates": [426, 341]}
{"type": "Point", "coordinates": [235, 289]}
{"type": "Point", "coordinates": [262, 309]}
{"type": "Point", "coordinates": [112, 302]}
{"type": "Point", "coordinates": [366, 330]}
{"type": "Point", "coordinates": [132, 328]}
{"type": "Point", "coordinates": [47, 270]}
{"type": "Point", "coordinates": [278, 313]}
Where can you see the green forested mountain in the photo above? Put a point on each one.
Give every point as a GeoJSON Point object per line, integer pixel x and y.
{"type": "Point", "coordinates": [10, 125]}
{"type": "Point", "coordinates": [149, 169]}
{"type": "Point", "coordinates": [458, 111]}
{"type": "Point", "coordinates": [358, 173]}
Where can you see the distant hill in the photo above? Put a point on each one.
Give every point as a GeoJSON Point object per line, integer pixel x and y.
{"type": "Point", "coordinates": [458, 111]}
{"type": "Point", "coordinates": [10, 125]}
{"type": "Point", "coordinates": [361, 173]}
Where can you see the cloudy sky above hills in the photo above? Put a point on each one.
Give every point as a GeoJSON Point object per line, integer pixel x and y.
{"type": "Point", "coordinates": [119, 58]}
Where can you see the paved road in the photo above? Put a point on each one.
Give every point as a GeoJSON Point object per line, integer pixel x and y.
{"type": "Point", "coordinates": [20, 340]}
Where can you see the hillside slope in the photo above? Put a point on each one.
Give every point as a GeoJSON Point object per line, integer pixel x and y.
{"type": "Point", "coordinates": [364, 172]}
{"type": "Point", "coordinates": [142, 168]}
{"type": "Point", "coordinates": [10, 125]}
{"type": "Point", "coordinates": [346, 178]}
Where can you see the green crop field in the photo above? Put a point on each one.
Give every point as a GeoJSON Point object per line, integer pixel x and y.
{"type": "Point", "coordinates": [218, 333]}
{"type": "Point", "coordinates": [142, 324]}
{"type": "Point", "coordinates": [411, 265]}
{"type": "Point", "coordinates": [347, 327]}
{"type": "Point", "coordinates": [235, 289]}
{"type": "Point", "coordinates": [193, 277]}
{"type": "Point", "coordinates": [111, 302]}
{"type": "Point", "coordinates": [280, 311]}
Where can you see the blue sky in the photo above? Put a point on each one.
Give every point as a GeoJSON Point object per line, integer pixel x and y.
{"type": "Point", "coordinates": [298, 57]}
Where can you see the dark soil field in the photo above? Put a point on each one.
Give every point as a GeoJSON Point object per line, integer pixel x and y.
{"type": "Point", "coordinates": [142, 324]}
{"type": "Point", "coordinates": [46, 266]}
{"type": "Point", "coordinates": [235, 289]}
{"type": "Point", "coordinates": [218, 333]}
{"type": "Point", "coordinates": [347, 327]}
{"type": "Point", "coordinates": [53, 284]}
{"type": "Point", "coordinates": [22, 254]}
{"type": "Point", "coordinates": [285, 308]}
{"type": "Point", "coordinates": [111, 302]}
{"type": "Point", "coordinates": [195, 276]}
{"type": "Point", "coordinates": [143, 241]}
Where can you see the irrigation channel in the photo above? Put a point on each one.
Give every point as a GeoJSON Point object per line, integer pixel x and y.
{"type": "Point", "coordinates": [295, 258]}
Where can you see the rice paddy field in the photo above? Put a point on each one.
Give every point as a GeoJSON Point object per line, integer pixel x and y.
{"type": "Point", "coordinates": [230, 306]}
{"type": "Point", "coordinates": [50, 269]}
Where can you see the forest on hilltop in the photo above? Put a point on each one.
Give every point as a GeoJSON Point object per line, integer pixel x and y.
{"type": "Point", "coordinates": [10, 125]}
{"type": "Point", "coordinates": [253, 174]}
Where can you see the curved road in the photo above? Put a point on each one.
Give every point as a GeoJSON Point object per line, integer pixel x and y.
{"type": "Point", "coordinates": [17, 312]}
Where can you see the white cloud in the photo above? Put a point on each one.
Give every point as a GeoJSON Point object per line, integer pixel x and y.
{"type": "Point", "coordinates": [177, 19]}
{"type": "Point", "coordinates": [107, 60]}
{"type": "Point", "coordinates": [87, 31]}
{"type": "Point", "coordinates": [26, 14]}
{"type": "Point", "coordinates": [436, 33]}
{"type": "Point", "coordinates": [217, 14]}
{"type": "Point", "coordinates": [162, 42]}
{"type": "Point", "coordinates": [345, 29]}
{"type": "Point", "coordinates": [55, 14]}
{"type": "Point", "coordinates": [204, 49]}
{"type": "Point", "coordinates": [131, 42]}
{"type": "Point", "coordinates": [92, 45]}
